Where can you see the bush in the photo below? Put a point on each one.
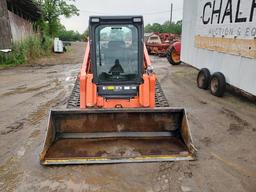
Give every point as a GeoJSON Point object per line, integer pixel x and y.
{"type": "Point", "coordinates": [166, 27]}
{"type": "Point", "coordinates": [26, 50]}
{"type": "Point", "coordinates": [69, 35]}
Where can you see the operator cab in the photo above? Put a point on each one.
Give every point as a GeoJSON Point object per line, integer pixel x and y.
{"type": "Point", "coordinates": [117, 55]}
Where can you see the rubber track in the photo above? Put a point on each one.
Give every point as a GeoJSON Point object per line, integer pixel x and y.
{"type": "Point", "coordinates": [160, 98]}
{"type": "Point", "coordinates": [74, 99]}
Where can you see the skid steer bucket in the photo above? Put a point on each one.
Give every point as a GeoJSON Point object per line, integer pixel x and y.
{"type": "Point", "coordinates": [117, 136]}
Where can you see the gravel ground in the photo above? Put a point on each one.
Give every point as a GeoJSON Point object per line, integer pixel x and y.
{"type": "Point", "coordinates": [224, 131]}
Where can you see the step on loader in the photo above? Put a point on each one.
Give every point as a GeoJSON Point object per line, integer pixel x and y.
{"type": "Point", "coordinates": [117, 112]}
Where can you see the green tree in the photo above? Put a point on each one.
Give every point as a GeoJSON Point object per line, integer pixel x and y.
{"type": "Point", "coordinates": [148, 28]}
{"type": "Point", "coordinates": [157, 27]}
{"type": "Point", "coordinates": [166, 27]}
{"type": "Point", "coordinates": [69, 35]}
{"type": "Point", "coordinates": [85, 35]}
{"type": "Point", "coordinates": [52, 10]}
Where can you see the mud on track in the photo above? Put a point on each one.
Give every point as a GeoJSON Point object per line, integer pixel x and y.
{"type": "Point", "coordinates": [224, 131]}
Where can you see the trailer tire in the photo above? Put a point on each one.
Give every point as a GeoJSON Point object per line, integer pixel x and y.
{"type": "Point", "coordinates": [203, 78]}
{"type": "Point", "coordinates": [218, 84]}
{"type": "Point", "coordinates": [173, 56]}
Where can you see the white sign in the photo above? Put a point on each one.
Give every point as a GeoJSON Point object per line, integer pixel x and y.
{"type": "Point", "coordinates": [227, 19]}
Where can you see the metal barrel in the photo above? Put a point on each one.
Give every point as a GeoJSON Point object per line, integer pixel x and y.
{"type": "Point", "coordinates": [117, 136]}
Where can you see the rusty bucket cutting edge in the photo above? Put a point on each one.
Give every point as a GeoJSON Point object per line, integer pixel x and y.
{"type": "Point", "coordinates": [117, 136]}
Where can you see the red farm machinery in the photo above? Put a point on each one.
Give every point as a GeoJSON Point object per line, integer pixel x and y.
{"type": "Point", "coordinates": [164, 45]}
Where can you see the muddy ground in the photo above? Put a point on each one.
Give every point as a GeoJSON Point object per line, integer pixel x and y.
{"type": "Point", "coordinates": [224, 131]}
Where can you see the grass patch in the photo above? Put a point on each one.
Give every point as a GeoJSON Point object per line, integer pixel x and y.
{"type": "Point", "coordinates": [29, 49]}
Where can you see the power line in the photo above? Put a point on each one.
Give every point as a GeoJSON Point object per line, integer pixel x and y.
{"type": "Point", "coordinates": [157, 12]}
{"type": "Point", "coordinates": [95, 12]}
{"type": "Point", "coordinates": [146, 13]}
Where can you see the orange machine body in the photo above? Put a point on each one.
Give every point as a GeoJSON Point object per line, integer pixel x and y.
{"type": "Point", "coordinates": [88, 90]}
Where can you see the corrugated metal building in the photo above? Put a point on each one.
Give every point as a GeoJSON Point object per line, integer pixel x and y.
{"type": "Point", "coordinates": [16, 20]}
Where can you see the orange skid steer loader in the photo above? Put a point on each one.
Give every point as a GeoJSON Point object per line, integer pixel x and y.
{"type": "Point", "coordinates": [117, 112]}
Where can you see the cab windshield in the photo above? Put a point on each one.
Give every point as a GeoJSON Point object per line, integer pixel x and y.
{"type": "Point", "coordinates": [117, 53]}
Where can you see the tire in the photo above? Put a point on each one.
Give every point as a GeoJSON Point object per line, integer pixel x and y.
{"type": "Point", "coordinates": [218, 84]}
{"type": "Point", "coordinates": [173, 56]}
{"type": "Point", "coordinates": [203, 78]}
{"type": "Point", "coordinates": [149, 51]}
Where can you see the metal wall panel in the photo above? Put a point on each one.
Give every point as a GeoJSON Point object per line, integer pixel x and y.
{"type": "Point", "coordinates": [238, 68]}
{"type": "Point", "coordinates": [20, 27]}
{"type": "Point", "coordinates": [5, 32]}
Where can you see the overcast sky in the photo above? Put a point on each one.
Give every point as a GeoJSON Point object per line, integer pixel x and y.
{"type": "Point", "coordinates": [152, 10]}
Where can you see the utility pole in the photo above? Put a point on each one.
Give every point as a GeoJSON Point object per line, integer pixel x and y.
{"type": "Point", "coordinates": [171, 13]}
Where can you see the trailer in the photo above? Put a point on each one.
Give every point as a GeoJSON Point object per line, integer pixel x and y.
{"type": "Point", "coordinates": [219, 39]}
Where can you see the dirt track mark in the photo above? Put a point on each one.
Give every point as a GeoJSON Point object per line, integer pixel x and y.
{"type": "Point", "coordinates": [193, 119]}
{"type": "Point", "coordinates": [16, 126]}
{"type": "Point", "coordinates": [35, 134]}
{"type": "Point", "coordinates": [36, 116]}
{"type": "Point", "coordinates": [51, 72]}
{"type": "Point", "coordinates": [42, 110]}
{"type": "Point", "coordinates": [236, 127]}
{"type": "Point", "coordinates": [24, 89]}
{"type": "Point", "coordinates": [203, 102]}
{"type": "Point", "coordinates": [206, 140]}
{"type": "Point", "coordinates": [234, 116]}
